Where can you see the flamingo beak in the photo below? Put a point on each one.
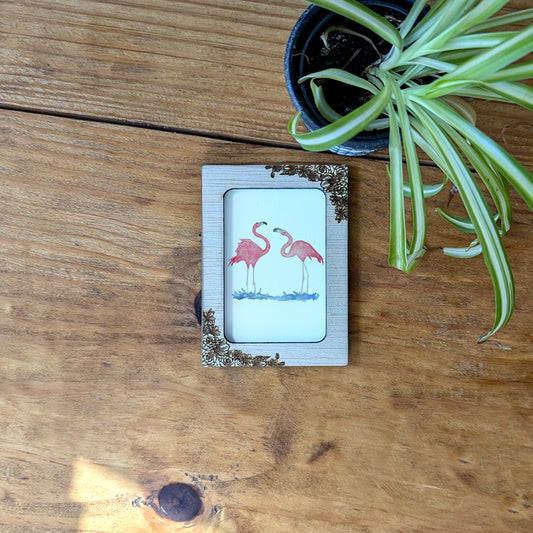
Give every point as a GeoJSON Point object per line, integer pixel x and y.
{"type": "Point", "coordinates": [277, 230]}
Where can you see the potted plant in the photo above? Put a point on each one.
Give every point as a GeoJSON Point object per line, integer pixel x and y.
{"type": "Point", "coordinates": [322, 39]}
{"type": "Point", "coordinates": [425, 65]}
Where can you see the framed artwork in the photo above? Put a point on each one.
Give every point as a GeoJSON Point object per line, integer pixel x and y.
{"type": "Point", "coordinates": [274, 265]}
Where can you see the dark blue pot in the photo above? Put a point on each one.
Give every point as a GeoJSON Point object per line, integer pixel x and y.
{"type": "Point", "coordinates": [308, 27]}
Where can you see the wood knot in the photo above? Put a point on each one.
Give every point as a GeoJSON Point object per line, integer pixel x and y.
{"type": "Point", "coordinates": [177, 501]}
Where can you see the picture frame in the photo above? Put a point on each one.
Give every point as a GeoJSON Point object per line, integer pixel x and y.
{"type": "Point", "coordinates": [274, 295]}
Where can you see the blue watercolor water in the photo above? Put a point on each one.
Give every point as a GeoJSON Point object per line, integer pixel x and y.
{"type": "Point", "coordinates": [293, 296]}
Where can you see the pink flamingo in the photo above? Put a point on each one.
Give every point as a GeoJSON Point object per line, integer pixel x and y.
{"type": "Point", "coordinates": [250, 252]}
{"type": "Point", "coordinates": [302, 250]}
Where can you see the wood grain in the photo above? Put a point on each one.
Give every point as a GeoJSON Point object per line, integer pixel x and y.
{"type": "Point", "coordinates": [103, 398]}
{"type": "Point", "coordinates": [213, 68]}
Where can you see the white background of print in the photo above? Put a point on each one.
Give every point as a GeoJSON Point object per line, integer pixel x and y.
{"type": "Point", "coordinates": [302, 212]}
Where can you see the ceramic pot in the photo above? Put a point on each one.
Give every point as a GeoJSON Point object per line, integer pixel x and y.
{"type": "Point", "coordinates": [302, 48]}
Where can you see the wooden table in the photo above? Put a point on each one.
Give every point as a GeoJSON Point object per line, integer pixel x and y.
{"type": "Point", "coordinates": [108, 110]}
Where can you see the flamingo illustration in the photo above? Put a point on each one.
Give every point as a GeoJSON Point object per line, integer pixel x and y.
{"type": "Point", "coordinates": [250, 252]}
{"type": "Point", "coordinates": [302, 250]}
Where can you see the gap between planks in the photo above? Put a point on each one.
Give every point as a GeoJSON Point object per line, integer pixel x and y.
{"type": "Point", "coordinates": [169, 129]}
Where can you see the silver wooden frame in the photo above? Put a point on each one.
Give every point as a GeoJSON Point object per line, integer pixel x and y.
{"type": "Point", "coordinates": [216, 349]}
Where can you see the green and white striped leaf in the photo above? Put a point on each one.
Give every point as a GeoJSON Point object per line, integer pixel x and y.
{"type": "Point", "coordinates": [412, 16]}
{"type": "Point", "coordinates": [322, 106]}
{"type": "Point", "coordinates": [464, 253]}
{"type": "Point", "coordinates": [456, 18]}
{"type": "Point", "coordinates": [416, 249]}
{"type": "Point", "coordinates": [516, 93]}
{"type": "Point", "coordinates": [397, 232]}
{"type": "Point", "coordinates": [439, 18]}
{"type": "Point", "coordinates": [487, 62]}
{"type": "Point", "coordinates": [515, 72]}
{"type": "Point", "coordinates": [427, 190]}
{"type": "Point", "coordinates": [342, 129]}
{"type": "Point", "coordinates": [338, 74]}
{"type": "Point", "coordinates": [463, 224]}
{"type": "Point", "coordinates": [517, 175]}
{"type": "Point", "coordinates": [498, 187]}
{"type": "Point", "coordinates": [479, 213]}
{"type": "Point", "coordinates": [477, 40]}
{"type": "Point", "coordinates": [524, 15]}
{"type": "Point", "coordinates": [363, 15]}
{"type": "Point", "coordinates": [462, 107]}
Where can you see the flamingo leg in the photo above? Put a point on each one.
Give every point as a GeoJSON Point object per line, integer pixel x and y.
{"type": "Point", "coordinates": [307, 272]}
{"type": "Point", "coordinates": [302, 289]}
{"type": "Point", "coordinates": [253, 278]}
{"type": "Point", "coordinates": [247, 272]}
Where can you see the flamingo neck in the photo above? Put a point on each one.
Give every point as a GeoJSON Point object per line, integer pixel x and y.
{"type": "Point", "coordinates": [284, 252]}
{"type": "Point", "coordinates": [267, 242]}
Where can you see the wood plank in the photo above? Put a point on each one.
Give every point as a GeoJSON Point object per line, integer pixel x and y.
{"type": "Point", "coordinates": [103, 398]}
{"type": "Point", "coordinates": [207, 67]}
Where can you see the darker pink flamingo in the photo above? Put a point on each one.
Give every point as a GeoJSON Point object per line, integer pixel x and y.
{"type": "Point", "coordinates": [250, 252]}
{"type": "Point", "coordinates": [300, 249]}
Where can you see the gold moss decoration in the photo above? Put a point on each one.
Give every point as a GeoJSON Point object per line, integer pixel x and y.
{"type": "Point", "coordinates": [217, 352]}
{"type": "Point", "coordinates": [332, 178]}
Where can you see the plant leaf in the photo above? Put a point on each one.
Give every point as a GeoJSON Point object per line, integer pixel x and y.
{"type": "Point", "coordinates": [479, 213]}
{"type": "Point", "coordinates": [523, 15]}
{"type": "Point", "coordinates": [412, 16]}
{"type": "Point", "coordinates": [498, 188]}
{"type": "Point", "coordinates": [338, 74]}
{"type": "Point", "coordinates": [421, 138]}
{"type": "Point", "coordinates": [456, 18]}
{"type": "Point", "coordinates": [397, 234]}
{"type": "Point", "coordinates": [378, 124]}
{"type": "Point", "coordinates": [431, 64]}
{"type": "Point", "coordinates": [462, 107]}
{"type": "Point", "coordinates": [322, 106]}
{"type": "Point", "coordinates": [515, 72]}
{"type": "Point", "coordinates": [342, 129]}
{"type": "Point", "coordinates": [486, 63]}
{"type": "Point", "coordinates": [461, 223]}
{"type": "Point", "coordinates": [363, 15]}
{"type": "Point", "coordinates": [416, 249]}
{"type": "Point", "coordinates": [477, 40]}
{"type": "Point", "coordinates": [472, 16]}
{"type": "Point", "coordinates": [458, 56]}
{"type": "Point", "coordinates": [470, 251]}
{"type": "Point", "coordinates": [439, 17]}
{"type": "Point", "coordinates": [428, 190]}
{"type": "Point", "coordinates": [517, 175]}
{"type": "Point", "coordinates": [475, 92]}
{"type": "Point", "coordinates": [517, 93]}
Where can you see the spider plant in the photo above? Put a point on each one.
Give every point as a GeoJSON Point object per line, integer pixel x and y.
{"type": "Point", "coordinates": [456, 50]}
